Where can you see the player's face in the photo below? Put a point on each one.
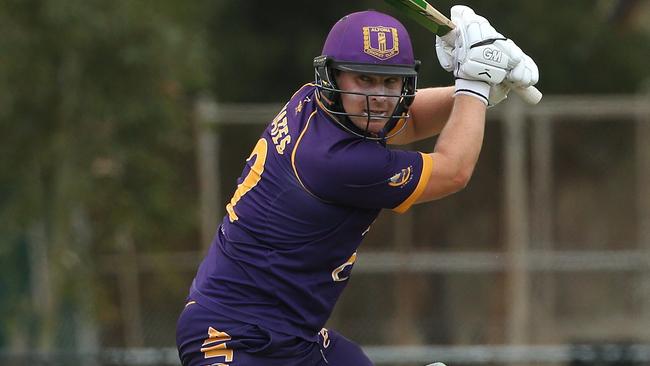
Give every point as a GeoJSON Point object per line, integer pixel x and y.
{"type": "Point", "coordinates": [383, 95]}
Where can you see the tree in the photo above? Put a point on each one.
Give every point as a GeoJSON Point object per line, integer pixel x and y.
{"type": "Point", "coordinates": [95, 141]}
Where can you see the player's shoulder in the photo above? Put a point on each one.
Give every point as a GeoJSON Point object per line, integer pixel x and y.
{"type": "Point", "coordinates": [303, 100]}
{"type": "Point", "coordinates": [300, 107]}
{"type": "Point", "coordinates": [304, 91]}
{"type": "Point", "coordinates": [287, 125]}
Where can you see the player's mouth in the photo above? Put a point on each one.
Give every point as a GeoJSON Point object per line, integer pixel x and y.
{"type": "Point", "coordinates": [375, 114]}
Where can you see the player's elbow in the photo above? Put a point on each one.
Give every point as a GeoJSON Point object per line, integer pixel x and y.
{"type": "Point", "coordinates": [448, 176]}
{"type": "Point", "coordinates": [461, 179]}
{"type": "Point", "coordinates": [443, 186]}
{"type": "Point", "coordinates": [460, 173]}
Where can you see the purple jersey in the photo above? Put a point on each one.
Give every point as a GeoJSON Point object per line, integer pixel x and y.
{"type": "Point", "coordinates": [308, 194]}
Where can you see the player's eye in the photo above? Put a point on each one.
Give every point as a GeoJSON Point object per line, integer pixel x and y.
{"type": "Point", "coordinates": [365, 78]}
{"type": "Point", "coordinates": [392, 82]}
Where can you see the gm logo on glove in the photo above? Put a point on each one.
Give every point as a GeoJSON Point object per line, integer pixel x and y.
{"type": "Point", "coordinates": [491, 54]}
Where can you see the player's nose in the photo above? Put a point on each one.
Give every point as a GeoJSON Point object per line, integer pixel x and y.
{"type": "Point", "coordinates": [379, 95]}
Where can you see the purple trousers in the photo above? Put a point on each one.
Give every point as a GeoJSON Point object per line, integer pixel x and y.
{"type": "Point", "coordinates": [205, 338]}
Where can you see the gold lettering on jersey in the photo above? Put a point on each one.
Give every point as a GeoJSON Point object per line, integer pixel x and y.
{"type": "Point", "coordinates": [376, 40]}
{"type": "Point", "coordinates": [280, 131]}
{"type": "Point", "coordinates": [336, 273]}
{"type": "Point", "coordinates": [219, 350]}
{"type": "Point", "coordinates": [252, 178]}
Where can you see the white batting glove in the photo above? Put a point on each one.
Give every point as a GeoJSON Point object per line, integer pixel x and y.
{"type": "Point", "coordinates": [476, 51]}
{"type": "Point", "coordinates": [481, 53]}
{"type": "Point", "coordinates": [447, 55]}
{"type": "Point", "coordinates": [523, 75]}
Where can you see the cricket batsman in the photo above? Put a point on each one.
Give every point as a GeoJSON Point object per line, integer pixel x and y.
{"type": "Point", "coordinates": [322, 171]}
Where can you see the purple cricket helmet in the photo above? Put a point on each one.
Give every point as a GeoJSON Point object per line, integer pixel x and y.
{"type": "Point", "coordinates": [367, 42]}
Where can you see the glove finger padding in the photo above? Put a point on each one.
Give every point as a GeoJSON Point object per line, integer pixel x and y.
{"type": "Point", "coordinates": [478, 29]}
{"type": "Point", "coordinates": [481, 52]}
{"type": "Point", "coordinates": [470, 28]}
{"type": "Point", "coordinates": [525, 74]}
{"type": "Point", "coordinates": [460, 11]}
{"type": "Point", "coordinates": [515, 53]}
{"type": "Point", "coordinates": [445, 53]}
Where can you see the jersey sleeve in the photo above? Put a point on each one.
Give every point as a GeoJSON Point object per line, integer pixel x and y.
{"type": "Point", "coordinates": [367, 175]}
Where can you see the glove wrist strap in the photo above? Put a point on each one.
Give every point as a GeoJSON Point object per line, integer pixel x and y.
{"type": "Point", "coordinates": [474, 88]}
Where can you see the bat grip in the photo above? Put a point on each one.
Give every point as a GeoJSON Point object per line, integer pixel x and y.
{"type": "Point", "coordinates": [530, 95]}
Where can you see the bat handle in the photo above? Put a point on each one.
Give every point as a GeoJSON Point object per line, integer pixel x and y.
{"type": "Point", "coordinates": [530, 95]}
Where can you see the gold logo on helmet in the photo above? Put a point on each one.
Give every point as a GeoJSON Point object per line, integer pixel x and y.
{"type": "Point", "coordinates": [377, 39]}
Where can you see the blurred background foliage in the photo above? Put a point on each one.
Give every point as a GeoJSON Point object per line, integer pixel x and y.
{"type": "Point", "coordinates": [582, 46]}
{"type": "Point", "coordinates": [97, 140]}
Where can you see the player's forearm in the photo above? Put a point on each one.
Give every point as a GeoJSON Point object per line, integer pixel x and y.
{"type": "Point", "coordinates": [457, 149]}
{"type": "Point", "coordinates": [461, 139]}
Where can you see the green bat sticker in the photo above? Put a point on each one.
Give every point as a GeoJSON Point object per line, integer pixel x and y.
{"type": "Point", "coordinates": [416, 9]}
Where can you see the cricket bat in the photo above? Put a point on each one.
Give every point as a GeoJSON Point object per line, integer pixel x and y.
{"type": "Point", "coordinates": [436, 22]}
